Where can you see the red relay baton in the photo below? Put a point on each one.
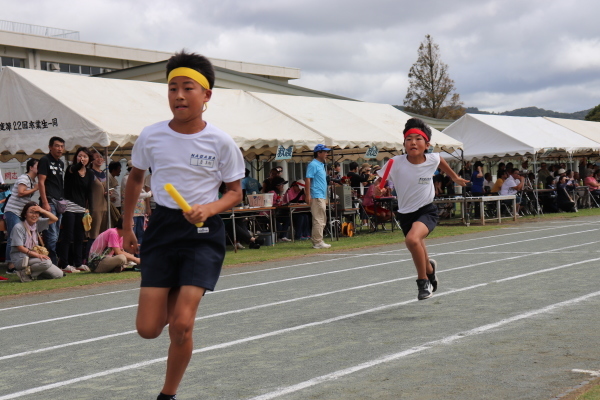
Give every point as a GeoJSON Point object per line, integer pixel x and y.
{"type": "Point", "coordinates": [388, 168]}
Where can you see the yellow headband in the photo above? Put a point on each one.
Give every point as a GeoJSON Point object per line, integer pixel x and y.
{"type": "Point", "coordinates": [190, 73]}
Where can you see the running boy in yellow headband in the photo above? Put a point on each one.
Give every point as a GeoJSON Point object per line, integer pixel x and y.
{"type": "Point", "coordinates": [180, 260]}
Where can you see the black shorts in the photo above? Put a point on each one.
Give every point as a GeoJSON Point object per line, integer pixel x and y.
{"type": "Point", "coordinates": [176, 253]}
{"type": "Point", "coordinates": [427, 214]}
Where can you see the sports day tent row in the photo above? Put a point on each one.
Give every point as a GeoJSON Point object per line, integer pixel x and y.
{"type": "Point", "coordinates": [589, 129]}
{"type": "Point", "coordinates": [496, 136]}
{"type": "Point", "coordinates": [99, 112]}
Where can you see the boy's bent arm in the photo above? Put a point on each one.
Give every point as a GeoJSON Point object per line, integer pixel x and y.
{"type": "Point", "coordinates": [450, 172]}
{"type": "Point", "coordinates": [231, 198]}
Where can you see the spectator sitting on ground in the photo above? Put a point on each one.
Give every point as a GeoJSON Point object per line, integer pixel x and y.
{"type": "Point", "coordinates": [31, 261]}
{"type": "Point", "coordinates": [107, 254]}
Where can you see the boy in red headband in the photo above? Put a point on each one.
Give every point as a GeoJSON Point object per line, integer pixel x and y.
{"type": "Point", "coordinates": [412, 176]}
{"type": "Point", "coordinates": [181, 261]}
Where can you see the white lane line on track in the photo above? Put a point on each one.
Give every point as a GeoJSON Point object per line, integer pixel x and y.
{"type": "Point", "coordinates": [299, 265]}
{"type": "Point", "coordinates": [447, 340]}
{"type": "Point", "coordinates": [253, 308]}
{"type": "Point", "coordinates": [311, 276]}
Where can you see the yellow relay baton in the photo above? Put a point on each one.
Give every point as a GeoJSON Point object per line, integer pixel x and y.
{"type": "Point", "coordinates": [180, 201]}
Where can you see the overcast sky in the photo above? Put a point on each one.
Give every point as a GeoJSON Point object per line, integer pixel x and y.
{"type": "Point", "coordinates": [502, 54]}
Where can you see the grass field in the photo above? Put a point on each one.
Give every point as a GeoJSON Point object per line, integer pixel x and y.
{"type": "Point", "coordinates": [278, 252]}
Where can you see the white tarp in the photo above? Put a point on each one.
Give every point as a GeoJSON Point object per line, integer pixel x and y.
{"type": "Point", "coordinates": [352, 124]}
{"type": "Point", "coordinates": [589, 129]}
{"type": "Point", "coordinates": [87, 111]}
{"type": "Point", "coordinates": [500, 136]}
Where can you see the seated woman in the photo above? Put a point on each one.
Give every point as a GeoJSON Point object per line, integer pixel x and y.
{"type": "Point", "coordinates": [107, 254]}
{"type": "Point", "coordinates": [28, 256]}
{"type": "Point", "coordinates": [295, 195]}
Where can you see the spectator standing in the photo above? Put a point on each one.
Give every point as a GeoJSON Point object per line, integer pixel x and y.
{"type": "Point", "coordinates": [51, 186]}
{"type": "Point", "coordinates": [22, 191]}
{"type": "Point", "coordinates": [316, 194]}
{"type": "Point", "coordinates": [477, 179]}
{"type": "Point", "coordinates": [78, 194]}
{"type": "Point", "coordinates": [99, 211]}
{"type": "Point", "coordinates": [356, 181]}
{"type": "Point", "coordinates": [114, 171]}
{"type": "Point", "coordinates": [295, 195]}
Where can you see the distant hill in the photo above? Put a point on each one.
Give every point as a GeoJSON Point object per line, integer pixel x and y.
{"type": "Point", "coordinates": [533, 112]}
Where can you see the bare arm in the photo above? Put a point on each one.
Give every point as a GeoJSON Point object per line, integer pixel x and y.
{"type": "Point", "coordinates": [128, 256]}
{"type": "Point", "coordinates": [42, 188]}
{"type": "Point", "coordinates": [135, 181]}
{"type": "Point", "coordinates": [201, 212]}
{"type": "Point", "coordinates": [23, 191]}
{"type": "Point", "coordinates": [450, 172]}
{"type": "Point", "coordinates": [307, 190]}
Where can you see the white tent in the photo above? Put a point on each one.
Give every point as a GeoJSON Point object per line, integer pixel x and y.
{"type": "Point", "coordinates": [499, 136]}
{"type": "Point", "coordinates": [589, 129]}
{"type": "Point", "coordinates": [87, 111]}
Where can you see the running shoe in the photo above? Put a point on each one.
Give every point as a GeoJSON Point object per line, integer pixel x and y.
{"type": "Point", "coordinates": [284, 239]}
{"type": "Point", "coordinates": [432, 277]}
{"type": "Point", "coordinates": [425, 289]}
{"type": "Point", "coordinates": [84, 268]}
{"type": "Point", "coordinates": [11, 271]}
{"type": "Point", "coordinates": [321, 245]}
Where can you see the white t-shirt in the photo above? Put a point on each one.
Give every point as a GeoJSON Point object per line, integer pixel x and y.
{"type": "Point", "coordinates": [413, 182]}
{"type": "Point", "coordinates": [195, 164]}
{"type": "Point", "coordinates": [509, 183]}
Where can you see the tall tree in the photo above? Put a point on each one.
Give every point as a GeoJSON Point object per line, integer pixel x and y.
{"type": "Point", "coordinates": [594, 114]}
{"type": "Point", "coordinates": [431, 92]}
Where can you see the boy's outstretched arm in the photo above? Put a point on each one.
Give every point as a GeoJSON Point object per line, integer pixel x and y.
{"type": "Point", "coordinates": [231, 198]}
{"type": "Point", "coordinates": [450, 172]}
{"type": "Point", "coordinates": [132, 192]}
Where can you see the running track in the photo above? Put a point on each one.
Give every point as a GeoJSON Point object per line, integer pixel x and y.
{"type": "Point", "coordinates": [515, 317]}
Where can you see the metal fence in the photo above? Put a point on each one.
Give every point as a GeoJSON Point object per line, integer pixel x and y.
{"type": "Point", "coordinates": [38, 30]}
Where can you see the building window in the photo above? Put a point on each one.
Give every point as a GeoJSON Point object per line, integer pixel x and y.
{"type": "Point", "coordinates": [12, 62]}
{"type": "Point", "coordinates": [72, 68]}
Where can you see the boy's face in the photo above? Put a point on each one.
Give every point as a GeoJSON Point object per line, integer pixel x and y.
{"type": "Point", "coordinates": [415, 144]}
{"type": "Point", "coordinates": [187, 98]}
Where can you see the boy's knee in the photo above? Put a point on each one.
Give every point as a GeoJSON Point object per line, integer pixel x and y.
{"type": "Point", "coordinates": [147, 332]}
{"type": "Point", "coordinates": [180, 329]}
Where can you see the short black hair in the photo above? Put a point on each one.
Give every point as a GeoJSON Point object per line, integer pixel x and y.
{"type": "Point", "coordinates": [55, 139]}
{"type": "Point", "coordinates": [353, 165]}
{"type": "Point", "coordinates": [113, 166]}
{"type": "Point", "coordinates": [194, 61]}
{"type": "Point", "coordinates": [26, 208]}
{"type": "Point", "coordinates": [419, 124]}
{"type": "Point", "coordinates": [30, 163]}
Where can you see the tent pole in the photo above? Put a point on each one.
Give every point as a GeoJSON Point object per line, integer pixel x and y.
{"type": "Point", "coordinates": [107, 191]}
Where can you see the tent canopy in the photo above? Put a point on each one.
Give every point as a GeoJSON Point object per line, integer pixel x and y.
{"type": "Point", "coordinates": [589, 129]}
{"type": "Point", "coordinates": [499, 136]}
{"type": "Point", "coordinates": [88, 111]}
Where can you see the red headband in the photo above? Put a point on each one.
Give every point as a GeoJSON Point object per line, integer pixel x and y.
{"type": "Point", "coordinates": [417, 131]}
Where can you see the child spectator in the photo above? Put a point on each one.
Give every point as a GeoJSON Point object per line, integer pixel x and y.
{"type": "Point", "coordinates": [107, 254]}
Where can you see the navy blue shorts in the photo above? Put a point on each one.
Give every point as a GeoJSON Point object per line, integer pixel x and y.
{"type": "Point", "coordinates": [176, 253]}
{"type": "Point", "coordinates": [427, 214]}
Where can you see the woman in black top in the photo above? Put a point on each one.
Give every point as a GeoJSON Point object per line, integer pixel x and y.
{"type": "Point", "coordinates": [78, 193]}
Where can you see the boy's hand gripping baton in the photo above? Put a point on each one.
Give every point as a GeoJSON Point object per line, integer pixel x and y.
{"type": "Point", "coordinates": [388, 168]}
{"type": "Point", "coordinates": [180, 201]}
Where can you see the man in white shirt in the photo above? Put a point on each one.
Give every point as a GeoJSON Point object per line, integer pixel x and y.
{"type": "Point", "coordinates": [512, 185]}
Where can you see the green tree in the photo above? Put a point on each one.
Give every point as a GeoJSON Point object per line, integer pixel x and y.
{"type": "Point", "coordinates": [594, 114]}
{"type": "Point", "coordinates": [431, 92]}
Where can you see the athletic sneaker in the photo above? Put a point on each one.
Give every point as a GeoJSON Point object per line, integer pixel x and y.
{"type": "Point", "coordinates": [11, 271]}
{"type": "Point", "coordinates": [239, 246]}
{"type": "Point", "coordinates": [162, 396]}
{"type": "Point", "coordinates": [432, 277]}
{"type": "Point", "coordinates": [425, 289]}
{"type": "Point", "coordinates": [69, 269]}
{"type": "Point", "coordinates": [84, 268]}
{"type": "Point", "coordinates": [321, 245]}
{"type": "Point", "coordinates": [284, 239]}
